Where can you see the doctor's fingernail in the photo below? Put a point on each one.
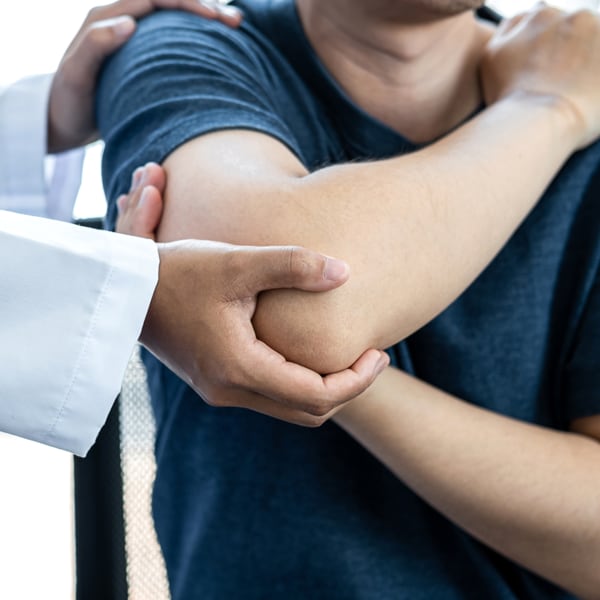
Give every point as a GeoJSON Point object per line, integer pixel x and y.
{"type": "Point", "coordinates": [123, 26]}
{"type": "Point", "coordinates": [122, 203]}
{"type": "Point", "coordinates": [145, 175]}
{"type": "Point", "coordinates": [382, 364]}
{"type": "Point", "coordinates": [229, 11]}
{"type": "Point", "coordinates": [335, 269]}
{"type": "Point", "coordinates": [136, 179]}
{"type": "Point", "coordinates": [144, 197]}
{"type": "Point", "coordinates": [210, 5]}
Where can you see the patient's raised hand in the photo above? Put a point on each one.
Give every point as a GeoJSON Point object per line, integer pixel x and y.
{"type": "Point", "coordinates": [552, 56]}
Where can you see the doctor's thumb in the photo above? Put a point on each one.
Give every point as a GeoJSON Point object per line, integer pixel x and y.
{"type": "Point", "coordinates": [272, 267]}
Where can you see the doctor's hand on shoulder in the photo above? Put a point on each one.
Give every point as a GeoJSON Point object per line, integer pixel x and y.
{"type": "Point", "coordinates": [200, 318]}
{"type": "Point", "coordinates": [71, 121]}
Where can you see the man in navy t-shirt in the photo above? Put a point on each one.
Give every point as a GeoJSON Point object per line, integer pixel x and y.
{"type": "Point", "coordinates": [316, 123]}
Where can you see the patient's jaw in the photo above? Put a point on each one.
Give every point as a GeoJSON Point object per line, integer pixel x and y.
{"type": "Point", "coordinates": [391, 56]}
{"type": "Point", "coordinates": [441, 8]}
{"type": "Point", "coordinates": [412, 11]}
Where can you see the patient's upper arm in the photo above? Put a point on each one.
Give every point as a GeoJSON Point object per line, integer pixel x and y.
{"type": "Point", "coordinates": [247, 188]}
{"type": "Point", "coordinates": [180, 77]}
{"type": "Point", "coordinates": [238, 133]}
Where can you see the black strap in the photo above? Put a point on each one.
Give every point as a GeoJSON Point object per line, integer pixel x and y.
{"type": "Point", "coordinates": [489, 14]}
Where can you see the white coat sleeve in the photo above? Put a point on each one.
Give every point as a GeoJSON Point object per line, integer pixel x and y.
{"type": "Point", "coordinates": [72, 304]}
{"type": "Point", "coordinates": [26, 186]}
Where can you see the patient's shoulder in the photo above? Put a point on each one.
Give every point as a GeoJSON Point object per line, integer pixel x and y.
{"type": "Point", "coordinates": [178, 35]}
{"type": "Point", "coordinates": [180, 77]}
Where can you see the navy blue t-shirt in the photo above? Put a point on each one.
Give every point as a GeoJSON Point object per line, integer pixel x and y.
{"type": "Point", "coordinates": [249, 507]}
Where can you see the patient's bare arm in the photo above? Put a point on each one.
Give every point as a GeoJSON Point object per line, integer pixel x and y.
{"type": "Point", "coordinates": [415, 230]}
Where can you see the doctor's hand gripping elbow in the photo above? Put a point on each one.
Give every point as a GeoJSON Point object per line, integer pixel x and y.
{"type": "Point", "coordinates": [200, 318]}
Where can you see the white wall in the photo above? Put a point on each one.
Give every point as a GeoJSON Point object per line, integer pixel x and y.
{"type": "Point", "coordinates": [33, 37]}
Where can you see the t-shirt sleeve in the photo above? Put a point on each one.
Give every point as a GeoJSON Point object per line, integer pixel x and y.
{"type": "Point", "coordinates": [583, 367]}
{"type": "Point", "coordinates": [180, 77]}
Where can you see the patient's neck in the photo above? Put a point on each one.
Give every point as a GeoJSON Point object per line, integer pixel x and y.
{"type": "Point", "coordinates": [420, 77]}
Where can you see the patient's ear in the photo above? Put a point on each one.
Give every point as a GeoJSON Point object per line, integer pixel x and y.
{"type": "Point", "coordinates": [589, 426]}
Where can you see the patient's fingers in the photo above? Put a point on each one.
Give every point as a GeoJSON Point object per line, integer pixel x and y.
{"type": "Point", "coordinates": [540, 12]}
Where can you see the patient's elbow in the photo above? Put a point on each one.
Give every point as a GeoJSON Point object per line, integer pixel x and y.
{"type": "Point", "coordinates": [318, 331]}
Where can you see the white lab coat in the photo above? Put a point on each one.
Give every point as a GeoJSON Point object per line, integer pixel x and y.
{"type": "Point", "coordinates": [72, 300]}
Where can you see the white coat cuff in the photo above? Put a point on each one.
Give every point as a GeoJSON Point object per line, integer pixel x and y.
{"type": "Point", "coordinates": [113, 331]}
{"type": "Point", "coordinates": [72, 304]}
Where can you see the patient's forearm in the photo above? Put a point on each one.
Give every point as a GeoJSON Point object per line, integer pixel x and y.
{"type": "Point", "coordinates": [416, 229]}
{"type": "Point", "coordinates": [530, 493]}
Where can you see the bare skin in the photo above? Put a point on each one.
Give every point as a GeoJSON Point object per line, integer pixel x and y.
{"type": "Point", "coordinates": [393, 65]}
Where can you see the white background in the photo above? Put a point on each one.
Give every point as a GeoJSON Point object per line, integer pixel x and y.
{"type": "Point", "coordinates": [33, 36]}
{"type": "Point", "coordinates": [35, 499]}
{"type": "Point", "coordinates": [511, 7]}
